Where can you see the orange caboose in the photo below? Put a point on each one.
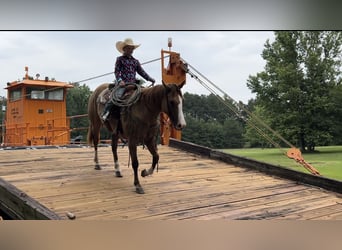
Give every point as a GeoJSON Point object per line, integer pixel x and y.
{"type": "Point", "coordinates": [36, 112]}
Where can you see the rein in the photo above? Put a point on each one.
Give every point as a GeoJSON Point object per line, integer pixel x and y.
{"type": "Point", "coordinates": [169, 108]}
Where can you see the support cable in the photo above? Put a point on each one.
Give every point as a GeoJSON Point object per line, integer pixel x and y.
{"type": "Point", "coordinates": [236, 108]}
{"type": "Point", "coordinates": [112, 72]}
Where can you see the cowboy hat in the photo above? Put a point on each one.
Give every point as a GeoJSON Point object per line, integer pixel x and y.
{"type": "Point", "coordinates": [127, 42]}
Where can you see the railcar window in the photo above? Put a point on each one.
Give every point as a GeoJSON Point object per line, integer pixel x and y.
{"type": "Point", "coordinates": [37, 94]}
{"type": "Point", "coordinates": [56, 94]}
{"type": "Point", "coordinates": [45, 94]}
{"type": "Point", "coordinates": [15, 94]}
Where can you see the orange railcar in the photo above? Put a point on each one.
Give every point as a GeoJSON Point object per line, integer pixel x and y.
{"type": "Point", "coordinates": [36, 112]}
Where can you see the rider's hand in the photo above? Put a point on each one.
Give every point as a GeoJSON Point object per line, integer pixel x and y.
{"type": "Point", "coordinates": [153, 81]}
{"type": "Point", "coordinates": [122, 83]}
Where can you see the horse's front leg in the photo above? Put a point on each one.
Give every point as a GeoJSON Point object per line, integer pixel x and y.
{"type": "Point", "coordinates": [135, 164]}
{"type": "Point", "coordinates": [152, 147]}
{"type": "Point", "coordinates": [115, 155]}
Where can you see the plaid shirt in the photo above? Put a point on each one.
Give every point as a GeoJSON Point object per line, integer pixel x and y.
{"type": "Point", "coordinates": [126, 69]}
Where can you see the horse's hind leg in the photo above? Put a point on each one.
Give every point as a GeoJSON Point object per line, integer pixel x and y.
{"type": "Point", "coordinates": [115, 155]}
{"type": "Point", "coordinates": [152, 147]}
{"type": "Point", "coordinates": [95, 133]}
{"type": "Point", "coordinates": [135, 165]}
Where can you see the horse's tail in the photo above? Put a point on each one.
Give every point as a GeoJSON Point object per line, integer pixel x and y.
{"type": "Point", "coordinates": [94, 122]}
{"type": "Point", "coordinates": [90, 136]}
{"type": "Point", "coordinates": [91, 117]}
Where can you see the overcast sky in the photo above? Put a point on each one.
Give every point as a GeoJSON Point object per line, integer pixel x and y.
{"type": "Point", "coordinates": [226, 58]}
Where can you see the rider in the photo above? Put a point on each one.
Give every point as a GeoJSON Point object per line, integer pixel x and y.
{"type": "Point", "coordinates": [126, 67]}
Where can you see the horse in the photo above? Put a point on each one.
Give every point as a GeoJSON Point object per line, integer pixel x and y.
{"type": "Point", "coordinates": [139, 124]}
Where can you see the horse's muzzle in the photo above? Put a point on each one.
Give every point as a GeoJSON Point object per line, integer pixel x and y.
{"type": "Point", "coordinates": [179, 126]}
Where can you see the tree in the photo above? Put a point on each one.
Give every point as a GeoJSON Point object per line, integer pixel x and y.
{"type": "Point", "coordinates": [295, 87]}
{"type": "Point", "coordinates": [208, 107]}
{"type": "Point", "coordinates": [210, 123]}
{"type": "Point", "coordinates": [77, 104]}
{"type": "Point", "coordinates": [336, 98]}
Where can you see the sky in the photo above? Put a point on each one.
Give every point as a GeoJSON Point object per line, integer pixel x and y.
{"type": "Point", "coordinates": [226, 58]}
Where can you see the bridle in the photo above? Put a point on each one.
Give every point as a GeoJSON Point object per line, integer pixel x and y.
{"type": "Point", "coordinates": [169, 107]}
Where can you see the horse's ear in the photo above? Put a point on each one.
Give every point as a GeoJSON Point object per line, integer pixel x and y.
{"type": "Point", "coordinates": [167, 87]}
{"type": "Point", "coordinates": [178, 85]}
{"type": "Point", "coordinates": [181, 85]}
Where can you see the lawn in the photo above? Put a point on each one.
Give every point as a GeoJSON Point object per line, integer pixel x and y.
{"type": "Point", "coordinates": [328, 160]}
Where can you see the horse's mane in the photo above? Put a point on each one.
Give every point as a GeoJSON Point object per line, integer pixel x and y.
{"type": "Point", "coordinates": [153, 95]}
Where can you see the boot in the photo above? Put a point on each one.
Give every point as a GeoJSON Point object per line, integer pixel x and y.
{"type": "Point", "coordinates": [106, 111]}
{"type": "Point", "coordinates": [104, 117]}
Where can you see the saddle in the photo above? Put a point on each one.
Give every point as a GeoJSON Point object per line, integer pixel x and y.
{"type": "Point", "coordinates": [104, 96]}
{"type": "Point", "coordinates": [120, 96]}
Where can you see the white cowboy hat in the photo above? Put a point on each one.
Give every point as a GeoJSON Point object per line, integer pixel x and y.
{"type": "Point", "coordinates": [127, 42]}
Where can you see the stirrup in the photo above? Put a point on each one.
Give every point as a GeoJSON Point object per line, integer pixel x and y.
{"type": "Point", "coordinates": [105, 116]}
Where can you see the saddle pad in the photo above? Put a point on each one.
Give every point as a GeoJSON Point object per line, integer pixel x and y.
{"type": "Point", "coordinates": [104, 96]}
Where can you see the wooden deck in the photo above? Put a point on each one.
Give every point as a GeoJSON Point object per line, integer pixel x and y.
{"type": "Point", "coordinates": [187, 186]}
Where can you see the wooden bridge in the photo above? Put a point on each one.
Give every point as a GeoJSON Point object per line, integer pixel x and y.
{"type": "Point", "coordinates": [193, 182]}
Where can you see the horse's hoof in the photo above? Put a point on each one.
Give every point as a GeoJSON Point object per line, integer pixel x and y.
{"type": "Point", "coordinates": [144, 173]}
{"type": "Point", "coordinates": [118, 174]}
{"type": "Point", "coordinates": [97, 167]}
{"type": "Point", "coordinates": [139, 190]}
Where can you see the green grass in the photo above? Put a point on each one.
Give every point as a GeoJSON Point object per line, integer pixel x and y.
{"type": "Point", "coordinates": [328, 160]}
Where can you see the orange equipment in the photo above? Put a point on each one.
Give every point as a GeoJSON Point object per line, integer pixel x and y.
{"type": "Point", "coordinates": [174, 73]}
{"type": "Point", "coordinates": [36, 112]}
{"type": "Point", "coordinates": [294, 153]}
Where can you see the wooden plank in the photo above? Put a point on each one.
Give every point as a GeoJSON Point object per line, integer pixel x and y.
{"type": "Point", "coordinates": [158, 203]}
{"type": "Point", "coordinates": [331, 212]}
{"type": "Point", "coordinates": [319, 181]}
{"type": "Point", "coordinates": [19, 205]}
{"type": "Point", "coordinates": [187, 186]}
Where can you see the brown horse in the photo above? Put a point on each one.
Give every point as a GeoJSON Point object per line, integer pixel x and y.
{"type": "Point", "coordinates": [139, 124]}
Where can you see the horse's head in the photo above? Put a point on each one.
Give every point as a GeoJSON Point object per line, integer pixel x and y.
{"type": "Point", "coordinates": [174, 99]}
